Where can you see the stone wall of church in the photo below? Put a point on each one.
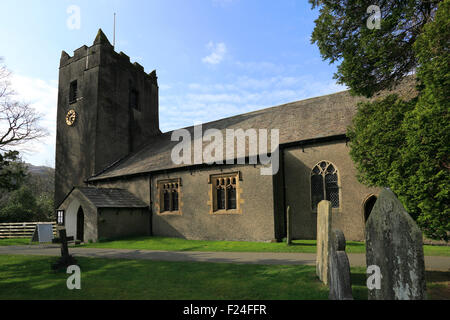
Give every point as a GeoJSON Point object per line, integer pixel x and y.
{"type": "Point", "coordinates": [349, 217]}
{"type": "Point", "coordinates": [255, 222]}
{"type": "Point", "coordinates": [117, 223]}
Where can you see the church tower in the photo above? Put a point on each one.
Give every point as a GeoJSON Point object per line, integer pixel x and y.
{"type": "Point", "coordinates": [107, 109]}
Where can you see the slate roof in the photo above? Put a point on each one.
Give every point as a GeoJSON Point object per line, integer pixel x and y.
{"type": "Point", "coordinates": [111, 198]}
{"type": "Point", "coordinates": [319, 117]}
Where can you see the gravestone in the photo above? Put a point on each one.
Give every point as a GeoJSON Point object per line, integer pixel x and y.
{"type": "Point", "coordinates": [323, 239]}
{"type": "Point", "coordinates": [394, 244]}
{"type": "Point", "coordinates": [339, 269]}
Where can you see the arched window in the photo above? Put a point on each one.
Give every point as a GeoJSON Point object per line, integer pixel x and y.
{"type": "Point", "coordinates": [324, 184]}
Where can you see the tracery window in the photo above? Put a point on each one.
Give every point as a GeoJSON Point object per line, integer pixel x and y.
{"type": "Point", "coordinates": [224, 192]}
{"type": "Point", "coordinates": [324, 184]}
{"type": "Point", "coordinates": [169, 196]}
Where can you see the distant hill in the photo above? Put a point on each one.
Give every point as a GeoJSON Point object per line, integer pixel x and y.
{"type": "Point", "coordinates": [41, 179]}
{"type": "Point", "coordinates": [39, 170]}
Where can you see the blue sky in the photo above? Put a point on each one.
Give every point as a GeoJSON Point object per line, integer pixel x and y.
{"type": "Point", "coordinates": [214, 58]}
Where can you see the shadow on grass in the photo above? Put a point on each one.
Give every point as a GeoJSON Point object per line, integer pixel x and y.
{"type": "Point", "coordinates": [31, 278]}
{"type": "Point", "coordinates": [437, 276]}
{"type": "Point", "coordinates": [28, 277]}
{"type": "Point", "coordinates": [355, 244]}
{"type": "Point", "coordinates": [302, 244]}
{"type": "Point", "coordinates": [192, 248]}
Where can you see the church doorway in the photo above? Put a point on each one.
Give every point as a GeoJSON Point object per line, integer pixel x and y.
{"type": "Point", "coordinates": [368, 206]}
{"type": "Point", "coordinates": [80, 224]}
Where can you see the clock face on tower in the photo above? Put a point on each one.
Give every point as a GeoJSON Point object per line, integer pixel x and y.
{"type": "Point", "coordinates": [71, 117]}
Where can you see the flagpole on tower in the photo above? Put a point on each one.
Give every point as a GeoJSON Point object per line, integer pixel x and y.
{"type": "Point", "coordinates": [114, 34]}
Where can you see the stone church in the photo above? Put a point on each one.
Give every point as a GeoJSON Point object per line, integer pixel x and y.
{"type": "Point", "coordinates": [115, 176]}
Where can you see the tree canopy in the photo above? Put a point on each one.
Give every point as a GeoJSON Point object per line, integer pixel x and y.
{"type": "Point", "coordinates": [370, 59]}
{"type": "Point", "coordinates": [12, 171]}
{"type": "Point", "coordinates": [395, 143]}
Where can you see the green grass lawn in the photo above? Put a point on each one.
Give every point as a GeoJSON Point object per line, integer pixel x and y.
{"type": "Point", "coordinates": [30, 277]}
{"type": "Point", "coordinates": [14, 242]}
{"type": "Point", "coordinates": [176, 244]}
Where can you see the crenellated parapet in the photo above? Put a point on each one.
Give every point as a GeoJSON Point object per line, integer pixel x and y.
{"type": "Point", "coordinates": [103, 47]}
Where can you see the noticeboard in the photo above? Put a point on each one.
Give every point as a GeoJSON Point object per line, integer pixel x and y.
{"type": "Point", "coordinates": [43, 233]}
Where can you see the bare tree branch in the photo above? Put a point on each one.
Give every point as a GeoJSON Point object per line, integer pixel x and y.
{"type": "Point", "coordinates": [19, 122]}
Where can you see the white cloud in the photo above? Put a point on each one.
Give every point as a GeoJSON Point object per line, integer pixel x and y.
{"type": "Point", "coordinates": [204, 102]}
{"type": "Point", "coordinates": [218, 52]}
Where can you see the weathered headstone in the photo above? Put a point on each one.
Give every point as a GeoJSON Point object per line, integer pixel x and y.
{"type": "Point", "coordinates": [323, 239]}
{"type": "Point", "coordinates": [394, 244]}
{"type": "Point", "coordinates": [339, 269]}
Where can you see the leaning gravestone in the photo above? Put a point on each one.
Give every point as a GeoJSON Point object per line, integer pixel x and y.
{"type": "Point", "coordinates": [339, 269]}
{"type": "Point", "coordinates": [323, 239]}
{"type": "Point", "coordinates": [394, 244]}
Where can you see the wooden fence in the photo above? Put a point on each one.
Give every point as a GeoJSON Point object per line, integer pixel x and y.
{"type": "Point", "coordinates": [21, 229]}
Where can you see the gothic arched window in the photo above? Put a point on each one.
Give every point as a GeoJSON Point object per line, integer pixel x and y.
{"type": "Point", "coordinates": [324, 184]}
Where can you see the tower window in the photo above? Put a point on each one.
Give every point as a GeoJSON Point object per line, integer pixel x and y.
{"type": "Point", "coordinates": [134, 100]}
{"type": "Point", "coordinates": [169, 196]}
{"type": "Point", "coordinates": [225, 193]}
{"type": "Point", "coordinates": [73, 92]}
{"type": "Point", "coordinates": [324, 184]}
